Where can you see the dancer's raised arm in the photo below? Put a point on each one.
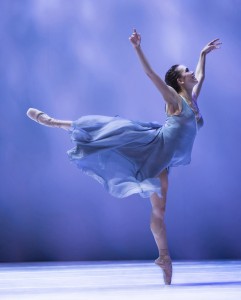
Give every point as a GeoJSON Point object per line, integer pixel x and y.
{"type": "Point", "coordinates": [168, 93]}
{"type": "Point", "coordinates": [200, 69]}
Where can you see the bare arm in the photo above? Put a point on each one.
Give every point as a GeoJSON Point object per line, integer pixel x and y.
{"type": "Point", "coordinates": [168, 93]}
{"type": "Point", "coordinates": [200, 69]}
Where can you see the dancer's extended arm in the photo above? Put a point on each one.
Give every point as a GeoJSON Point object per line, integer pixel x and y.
{"type": "Point", "coordinates": [168, 93]}
{"type": "Point", "coordinates": [200, 69]}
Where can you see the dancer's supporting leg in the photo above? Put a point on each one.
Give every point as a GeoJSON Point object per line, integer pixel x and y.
{"type": "Point", "coordinates": [43, 119]}
{"type": "Point", "coordinates": [158, 228]}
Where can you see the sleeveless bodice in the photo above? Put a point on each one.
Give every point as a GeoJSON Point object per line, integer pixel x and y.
{"type": "Point", "coordinates": [179, 132]}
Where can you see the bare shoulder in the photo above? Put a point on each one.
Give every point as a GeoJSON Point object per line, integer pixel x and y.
{"type": "Point", "coordinates": [168, 93]}
{"type": "Point", "coordinates": [194, 96]}
{"type": "Point", "coordinates": [174, 103]}
{"type": "Point", "coordinates": [172, 98]}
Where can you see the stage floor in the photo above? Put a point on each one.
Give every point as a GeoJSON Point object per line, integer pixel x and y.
{"type": "Point", "coordinates": [212, 280]}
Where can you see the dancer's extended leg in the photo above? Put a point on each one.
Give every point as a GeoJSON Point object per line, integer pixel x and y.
{"type": "Point", "coordinates": [43, 119]}
{"type": "Point", "coordinates": [158, 228]}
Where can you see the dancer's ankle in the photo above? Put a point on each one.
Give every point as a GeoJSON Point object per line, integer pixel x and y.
{"type": "Point", "coordinates": [164, 253]}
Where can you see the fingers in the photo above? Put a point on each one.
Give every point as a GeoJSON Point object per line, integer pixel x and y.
{"type": "Point", "coordinates": [134, 32]}
{"type": "Point", "coordinates": [213, 41]}
{"type": "Point", "coordinates": [134, 35]}
{"type": "Point", "coordinates": [135, 38]}
{"type": "Point", "coordinates": [216, 43]}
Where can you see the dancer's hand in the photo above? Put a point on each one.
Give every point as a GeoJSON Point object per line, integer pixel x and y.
{"type": "Point", "coordinates": [215, 44]}
{"type": "Point", "coordinates": [135, 39]}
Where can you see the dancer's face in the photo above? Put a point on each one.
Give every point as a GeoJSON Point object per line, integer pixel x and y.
{"type": "Point", "coordinates": [186, 77]}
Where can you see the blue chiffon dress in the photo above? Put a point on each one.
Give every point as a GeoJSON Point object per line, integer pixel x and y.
{"type": "Point", "coordinates": [126, 156]}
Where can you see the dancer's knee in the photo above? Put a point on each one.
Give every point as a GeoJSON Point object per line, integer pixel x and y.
{"type": "Point", "coordinates": [157, 218]}
{"type": "Point", "coordinates": [157, 224]}
{"type": "Point", "coordinates": [158, 212]}
{"type": "Point", "coordinates": [158, 205]}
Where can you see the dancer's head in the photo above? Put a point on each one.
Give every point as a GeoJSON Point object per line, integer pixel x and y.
{"type": "Point", "coordinates": [171, 78]}
{"type": "Point", "coordinates": [180, 77]}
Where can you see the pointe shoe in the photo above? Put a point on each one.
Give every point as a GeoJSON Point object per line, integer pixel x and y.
{"type": "Point", "coordinates": [41, 118]}
{"type": "Point", "coordinates": [165, 263]}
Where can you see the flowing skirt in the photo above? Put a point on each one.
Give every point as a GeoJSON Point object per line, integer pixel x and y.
{"type": "Point", "coordinates": [124, 156]}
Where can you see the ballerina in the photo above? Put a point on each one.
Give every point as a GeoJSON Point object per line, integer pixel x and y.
{"type": "Point", "coordinates": [129, 157]}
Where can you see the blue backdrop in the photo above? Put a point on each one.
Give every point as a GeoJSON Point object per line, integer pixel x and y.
{"type": "Point", "coordinates": [72, 58]}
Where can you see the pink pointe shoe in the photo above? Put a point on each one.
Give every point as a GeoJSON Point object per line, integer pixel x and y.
{"type": "Point", "coordinates": [42, 118]}
{"type": "Point", "coordinates": [165, 263]}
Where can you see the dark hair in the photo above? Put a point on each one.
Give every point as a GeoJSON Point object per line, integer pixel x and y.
{"type": "Point", "coordinates": [171, 78]}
